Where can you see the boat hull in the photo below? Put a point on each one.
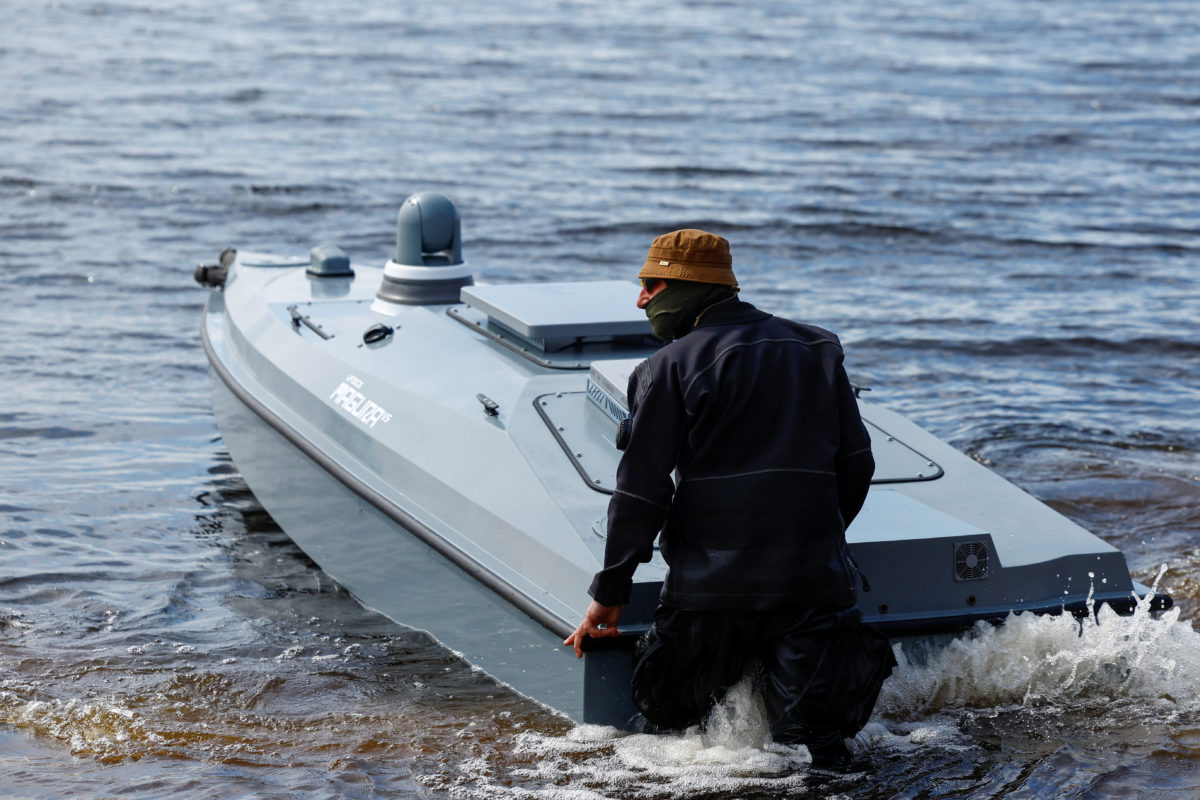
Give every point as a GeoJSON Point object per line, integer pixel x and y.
{"type": "Point", "coordinates": [457, 483]}
{"type": "Point", "coordinates": [362, 542]}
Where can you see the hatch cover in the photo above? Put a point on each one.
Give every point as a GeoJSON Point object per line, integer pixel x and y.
{"type": "Point", "coordinates": [552, 315]}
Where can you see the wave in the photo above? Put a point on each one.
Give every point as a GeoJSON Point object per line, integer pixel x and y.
{"type": "Point", "coordinates": [864, 230]}
{"type": "Point", "coordinates": [10, 180]}
{"type": "Point", "coordinates": [47, 432]}
{"type": "Point", "coordinates": [284, 188]}
{"type": "Point", "coordinates": [1165, 67]}
{"type": "Point", "coordinates": [692, 171]}
{"type": "Point", "coordinates": [1157, 346]}
{"type": "Point", "coordinates": [654, 228]}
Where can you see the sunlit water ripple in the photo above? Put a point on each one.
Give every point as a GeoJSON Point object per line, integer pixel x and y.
{"type": "Point", "coordinates": [996, 207]}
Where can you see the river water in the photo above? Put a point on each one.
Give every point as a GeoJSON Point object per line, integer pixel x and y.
{"type": "Point", "coordinates": [996, 205]}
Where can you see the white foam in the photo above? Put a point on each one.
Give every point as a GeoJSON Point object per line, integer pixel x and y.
{"type": "Point", "coordinates": [1150, 664]}
{"type": "Point", "coordinates": [290, 653]}
{"type": "Point", "coordinates": [1042, 660]}
{"type": "Point", "coordinates": [734, 754]}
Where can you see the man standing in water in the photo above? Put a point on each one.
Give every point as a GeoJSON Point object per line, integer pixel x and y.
{"type": "Point", "coordinates": [757, 416]}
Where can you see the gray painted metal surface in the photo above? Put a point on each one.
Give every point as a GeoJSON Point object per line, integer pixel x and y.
{"type": "Point", "coordinates": [553, 314]}
{"type": "Point", "coordinates": [382, 462]}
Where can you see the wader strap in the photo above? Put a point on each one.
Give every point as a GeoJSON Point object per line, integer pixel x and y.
{"type": "Point", "coordinates": [862, 576]}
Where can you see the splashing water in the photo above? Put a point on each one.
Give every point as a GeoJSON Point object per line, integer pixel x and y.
{"type": "Point", "coordinates": [733, 754]}
{"type": "Point", "coordinates": [1039, 660]}
{"type": "Point", "coordinates": [1148, 667]}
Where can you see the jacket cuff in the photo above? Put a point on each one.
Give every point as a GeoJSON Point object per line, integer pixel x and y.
{"type": "Point", "coordinates": [609, 590]}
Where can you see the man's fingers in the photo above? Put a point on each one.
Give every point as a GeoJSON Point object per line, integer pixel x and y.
{"type": "Point", "coordinates": [576, 639]}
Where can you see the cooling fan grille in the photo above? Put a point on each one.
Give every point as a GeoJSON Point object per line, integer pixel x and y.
{"type": "Point", "coordinates": [970, 561]}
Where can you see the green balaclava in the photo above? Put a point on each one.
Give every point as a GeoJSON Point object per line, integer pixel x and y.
{"type": "Point", "coordinates": [675, 310]}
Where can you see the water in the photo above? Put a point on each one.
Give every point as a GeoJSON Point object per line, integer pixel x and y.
{"type": "Point", "coordinates": [995, 206]}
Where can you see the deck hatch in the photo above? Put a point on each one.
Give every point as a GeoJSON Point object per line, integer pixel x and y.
{"type": "Point", "coordinates": [573, 355]}
{"type": "Point", "coordinates": [551, 316]}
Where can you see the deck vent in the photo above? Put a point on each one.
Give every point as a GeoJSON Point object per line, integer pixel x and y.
{"type": "Point", "coordinates": [970, 561]}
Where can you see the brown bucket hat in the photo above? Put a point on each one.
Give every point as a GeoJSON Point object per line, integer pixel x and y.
{"type": "Point", "coordinates": [690, 255]}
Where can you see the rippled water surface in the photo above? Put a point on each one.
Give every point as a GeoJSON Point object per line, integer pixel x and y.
{"type": "Point", "coordinates": [996, 205]}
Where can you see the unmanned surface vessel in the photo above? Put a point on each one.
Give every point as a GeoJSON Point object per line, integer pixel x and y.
{"type": "Point", "coordinates": [445, 450]}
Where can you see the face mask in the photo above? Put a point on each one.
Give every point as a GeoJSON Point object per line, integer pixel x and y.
{"type": "Point", "coordinates": [673, 311]}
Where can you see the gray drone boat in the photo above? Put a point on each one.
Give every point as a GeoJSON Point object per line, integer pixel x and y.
{"type": "Point", "coordinates": [445, 450]}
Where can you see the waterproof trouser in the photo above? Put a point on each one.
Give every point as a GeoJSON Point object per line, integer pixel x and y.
{"type": "Point", "coordinates": [819, 671]}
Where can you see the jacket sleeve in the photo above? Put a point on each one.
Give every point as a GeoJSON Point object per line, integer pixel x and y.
{"type": "Point", "coordinates": [855, 463]}
{"type": "Point", "coordinates": [642, 499]}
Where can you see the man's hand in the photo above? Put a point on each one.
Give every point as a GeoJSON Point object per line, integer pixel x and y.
{"type": "Point", "coordinates": [598, 621]}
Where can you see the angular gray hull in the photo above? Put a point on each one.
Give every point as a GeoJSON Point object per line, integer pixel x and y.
{"type": "Point", "coordinates": [454, 476]}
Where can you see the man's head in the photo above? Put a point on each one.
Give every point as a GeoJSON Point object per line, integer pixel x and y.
{"type": "Point", "coordinates": [685, 272]}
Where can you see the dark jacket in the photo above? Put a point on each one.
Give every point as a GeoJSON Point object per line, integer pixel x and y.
{"type": "Point", "coordinates": [757, 416]}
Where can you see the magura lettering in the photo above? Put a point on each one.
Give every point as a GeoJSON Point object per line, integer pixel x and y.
{"type": "Point", "coordinates": [356, 404]}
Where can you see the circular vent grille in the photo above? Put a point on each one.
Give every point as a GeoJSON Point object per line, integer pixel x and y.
{"type": "Point", "coordinates": [970, 561]}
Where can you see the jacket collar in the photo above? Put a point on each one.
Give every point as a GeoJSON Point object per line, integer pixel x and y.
{"type": "Point", "coordinates": [731, 312]}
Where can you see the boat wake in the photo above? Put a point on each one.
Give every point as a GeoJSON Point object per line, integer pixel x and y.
{"type": "Point", "coordinates": [1069, 679]}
